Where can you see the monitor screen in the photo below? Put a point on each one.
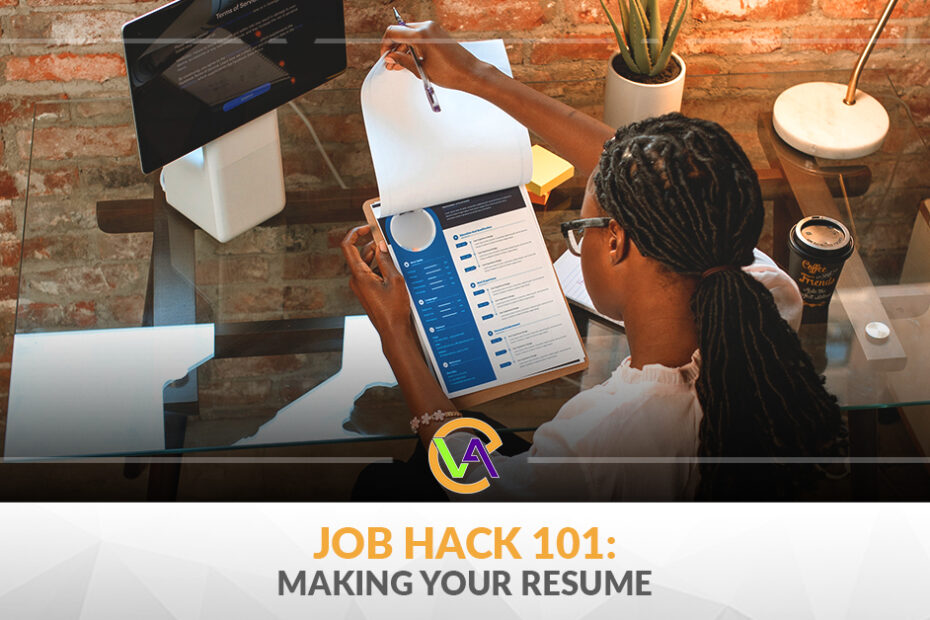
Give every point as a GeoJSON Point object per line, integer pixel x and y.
{"type": "Point", "coordinates": [201, 68]}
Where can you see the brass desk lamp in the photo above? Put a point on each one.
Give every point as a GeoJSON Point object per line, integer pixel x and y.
{"type": "Point", "coordinates": [834, 121]}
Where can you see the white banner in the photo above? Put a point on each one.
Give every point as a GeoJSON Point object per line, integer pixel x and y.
{"type": "Point", "coordinates": [414, 561]}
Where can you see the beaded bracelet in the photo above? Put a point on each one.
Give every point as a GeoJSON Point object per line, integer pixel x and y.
{"type": "Point", "coordinates": [436, 416]}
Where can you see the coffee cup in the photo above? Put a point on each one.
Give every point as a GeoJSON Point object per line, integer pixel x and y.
{"type": "Point", "coordinates": [819, 246]}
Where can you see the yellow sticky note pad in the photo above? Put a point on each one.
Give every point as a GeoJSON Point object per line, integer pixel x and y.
{"type": "Point", "coordinates": [549, 171]}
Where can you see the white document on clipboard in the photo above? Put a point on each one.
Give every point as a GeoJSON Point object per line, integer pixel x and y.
{"type": "Point", "coordinates": [460, 227]}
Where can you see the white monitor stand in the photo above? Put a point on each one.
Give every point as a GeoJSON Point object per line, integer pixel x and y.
{"type": "Point", "coordinates": [231, 184]}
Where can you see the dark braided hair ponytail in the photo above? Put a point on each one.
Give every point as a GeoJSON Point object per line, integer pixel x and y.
{"type": "Point", "coordinates": [686, 194]}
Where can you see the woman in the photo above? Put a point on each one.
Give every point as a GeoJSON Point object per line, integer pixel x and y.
{"type": "Point", "coordinates": [670, 219]}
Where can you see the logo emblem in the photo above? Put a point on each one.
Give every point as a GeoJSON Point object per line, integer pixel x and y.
{"type": "Point", "coordinates": [477, 452]}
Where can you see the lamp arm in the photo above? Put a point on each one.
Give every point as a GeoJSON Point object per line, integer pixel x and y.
{"type": "Point", "coordinates": [864, 57]}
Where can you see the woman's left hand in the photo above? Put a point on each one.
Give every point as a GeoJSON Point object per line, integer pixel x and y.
{"type": "Point", "coordinates": [383, 296]}
{"type": "Point", "coordinates": [387, 302]}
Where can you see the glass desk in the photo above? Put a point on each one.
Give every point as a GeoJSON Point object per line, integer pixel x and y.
{"type": "Point", "coordinates": [125, 289]}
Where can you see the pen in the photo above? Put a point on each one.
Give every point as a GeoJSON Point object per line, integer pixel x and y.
{"type": "Point", "coordinates": [427, 86]}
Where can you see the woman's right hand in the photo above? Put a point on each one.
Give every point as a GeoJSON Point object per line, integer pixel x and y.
{"type": "Point", "coordinates": [445, 61]}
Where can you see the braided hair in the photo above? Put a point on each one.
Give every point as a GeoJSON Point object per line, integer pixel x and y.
{"type": "Point", "coordinates": [688, 197]}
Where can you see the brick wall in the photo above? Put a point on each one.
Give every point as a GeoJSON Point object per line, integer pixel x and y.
{"type": "Point", "coordinates": [53, 49]}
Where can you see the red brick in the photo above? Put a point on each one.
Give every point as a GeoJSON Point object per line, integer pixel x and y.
{"type": "Point", "coordinates": [231, 368]}
{"type": "Point", "coordinates": [730, 41]}
{"type": "Point", "coordinates": [10, 252]}
{"type": "Point", "coordinates": [8, 186]}
{"type": "Point", "coordinates": [362, 54]}
{"type": "Point", "coordinates": [777, 63]}
{"type": "Point", "coordinates": [540, 76]}
{"type": "Point", "coordinates": [514, 51]}
{"type": "Point", "coordinates": [918, 102]}
{"type": "Point", "coordinates": [587, 11]}
{"type": "Point", "coordinates": [843, 37]}
{"type": "Point", "coordinates": [354, 162]}
{"type": "Point", "coordinates": [57, 247]}
{"type": "Point", "coordinates": [489, 15]}
{"type": "Point", "coordinates": [924, 131]}
{"type": "Point", "coordinates": [344, 128]}
{"type": "Point", "coordinates": [207, 272]}
{"type": "Point", "coordinates": [65, 67]}
{"type": "Point", "coordinates": [38, 315]}
{"type": "Point", "coordinates": [30, 26]}
{"type": "Point", "coordinates": [912, 73]}
{"type": "Point", "coordinates": [47, 182]}
{"type": "Point", "coordinates": [328, 265]}
{"type": "Point", "coordinates": [75, 2]}
{"type": "Point", "coordinates": [259, 240]}
{"type": "Point", "coordinates": [366, 16]}
{"type": "Point", "coordinates": [80, 314]}
{"type": "Point", "coordinates": [235, 393]}
{"type": "Point", "coordinates": [251, 300]}
{"type": "Point", "coordinates": [921, 35]}
{"type": "Point", "coordinates": [243, 269]}
{"type": "Point", "coordinates": [295, 388]}
{"type": "Point", "coordinates": [232, 269]}
{"type": "Point", "coordinates": [910, 172]}
{"type": "Point", "coordinates": [99, 108]}
{"type": "Point", "coordinates": [58, 143]}
{"type": "Point", "coordinates": [36, 248]}
{"type": "Point", "coordinates": [67, 281]}
{"type": "Point", "coordinates": [872, 8]}
{"type": "Point", "coordinates": [590, 11]}
{"type": "Point", "coordinates": [122, 246]}
{"type": "Point", "coordinates": [126, 275]}
{"type": "Point", "coordinates": [88, 27]}
{"type": "Point", "coordinates": [304, 298]}
{"type": "Point", "coordinates": [703, 65]}
{"type": "Point", "coordinates": [740, 10]}
{"type": "Point", "coordinates": [298, 166]}
{"type": "Point", "coordinates": [572, 47]}
{"type": "Point", "coordinates": [7, 217]}
{"type": "Point", "coordinates": [9, 286]}
{"type": "Point", "coordinates": [734, 113]}
{"type": "Point", "coordinates": [306, 266]}
{"type": "Point", "coordinates": [6, 356]}
{"type": "Point", "coordinates": [13, 110]}
{"type": "Point", "coordinates": [127, 310]}
{"type": "Point", "coordinates": [7, 319]}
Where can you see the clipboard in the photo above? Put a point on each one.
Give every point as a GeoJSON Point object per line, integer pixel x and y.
{"type": "Point", "coordinates": [482, 396]}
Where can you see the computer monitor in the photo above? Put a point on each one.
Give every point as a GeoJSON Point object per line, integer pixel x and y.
{"type": "Point", "coordinates": [205, 78]}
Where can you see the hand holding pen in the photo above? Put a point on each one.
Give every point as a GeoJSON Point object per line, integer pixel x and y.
{"type": "Point", "coordinates": [449, 64]}
{"type": "Point", "coordinates": [427, 86]}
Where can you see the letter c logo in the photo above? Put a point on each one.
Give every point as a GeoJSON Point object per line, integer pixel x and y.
{"type": "Point", "coordinates": [494, 442]}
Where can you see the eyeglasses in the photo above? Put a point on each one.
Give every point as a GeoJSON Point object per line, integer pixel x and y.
{"type": "Point", "coordinates": [574, 231]}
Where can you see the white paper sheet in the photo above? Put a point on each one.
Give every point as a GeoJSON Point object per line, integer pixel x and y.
{"type": "Point", "coordinates": [568, 269]}
{"type": "Point", "coordinates": [423, 158]}
{"type": "Point", "coordinates": [97, 392]}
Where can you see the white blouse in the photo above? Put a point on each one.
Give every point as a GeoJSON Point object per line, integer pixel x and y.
{"type": "Point", "coordinates": [588, 451]}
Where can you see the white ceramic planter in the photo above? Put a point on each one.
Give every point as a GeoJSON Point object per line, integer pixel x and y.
{"type": "Point", "coordinates": [626, 101]}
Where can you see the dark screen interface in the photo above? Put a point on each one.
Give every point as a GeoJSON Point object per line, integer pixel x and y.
{"type": "Point", "coordinates": [201, 68]}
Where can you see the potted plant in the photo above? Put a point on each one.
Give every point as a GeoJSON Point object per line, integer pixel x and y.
{"type": "Point", "coordinates": [645, 78]}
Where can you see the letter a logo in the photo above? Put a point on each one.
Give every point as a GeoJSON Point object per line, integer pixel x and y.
{"type": "Point", "coordinates": [477, 452]}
